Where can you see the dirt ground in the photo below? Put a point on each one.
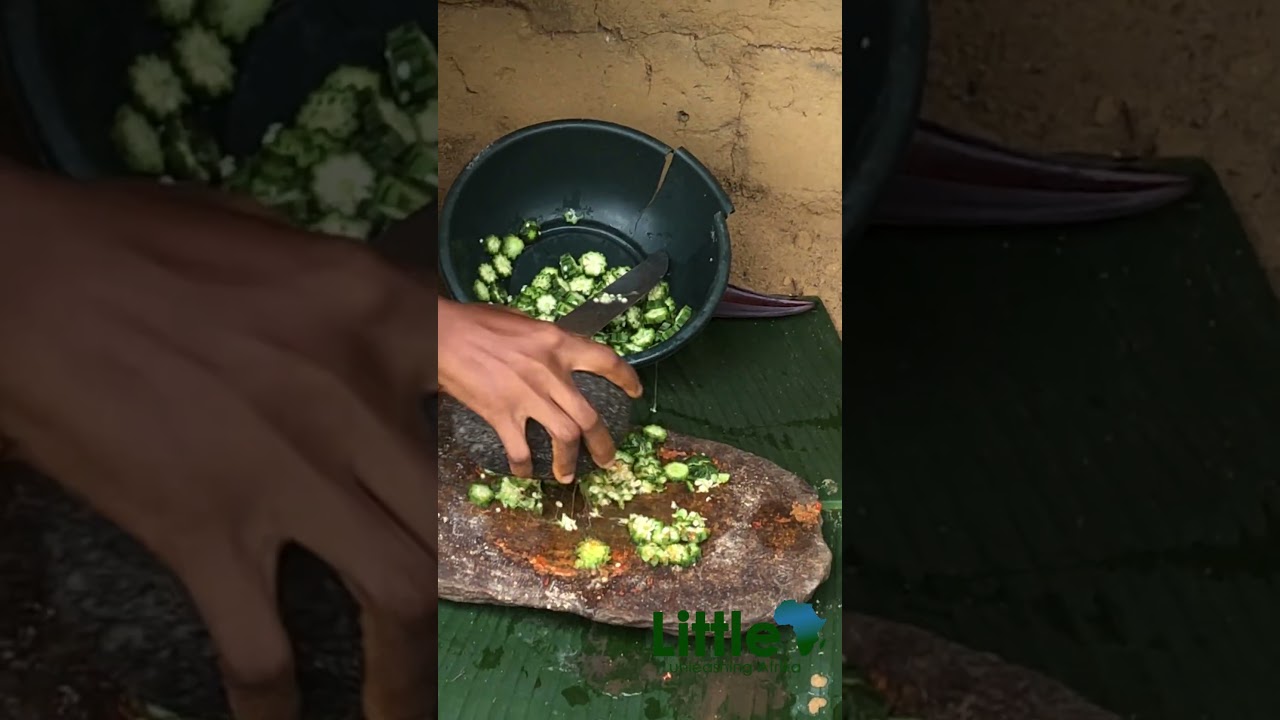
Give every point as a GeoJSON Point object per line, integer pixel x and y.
{"type": "Point", "coordinates": [750, 87]}
{"type": "Point", "coordinates": [1164, 77]}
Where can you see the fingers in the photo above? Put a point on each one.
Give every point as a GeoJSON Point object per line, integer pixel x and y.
{"type": "Point", "coordinates": [512, 434]}
{"type": "Point", "coordinates": [590, 356]}
{"type": "Point", "coordinates": [396, 470]}
{"type": "Point", "coordinates": [348, 432]}
{"type": "Point", "coordinates": [395, 584]}
{"type": "Point", "coordinates": [388, 572]}
{"type": "Point", "coordinates": [566, 436]}
{"type": "Point", "coordinates": [236, 598]}
{"type": "Point", "coordinates": [394, 580]}
{"type": "Point", "coordinates": [564, 432]}
{"type": "Point", "coordinates": [594, 433]}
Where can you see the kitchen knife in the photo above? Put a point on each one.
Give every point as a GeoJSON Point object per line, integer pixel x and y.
{"type": "Point", "coordinates": [620, 296]}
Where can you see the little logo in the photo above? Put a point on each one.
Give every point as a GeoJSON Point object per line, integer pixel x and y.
{"type": "Point", "coordinates": [763, 639]}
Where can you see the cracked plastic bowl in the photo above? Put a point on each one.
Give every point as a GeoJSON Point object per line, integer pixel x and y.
{"type": "Point", "coordinates": [612, 176]}
{"type": "Point", "coordinates": [67, 60]}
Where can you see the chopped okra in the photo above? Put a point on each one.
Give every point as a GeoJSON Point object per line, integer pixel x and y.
{"type": "Point", "coordinates": [205, 60]}
{"type": "Point", "coordinates": [174, 12]}
{"type": "Point", "coordinates": [519, 494]}
{"type": "Point", "coordinates": [676, 543]}
{"type": "Point", "coordinates": [591, 554]}
{"type": "Point", "coordinates": [359, 154]}
{"type": "Point", "coordinates": [480, 494]}
{"type": "Point", "coordinates": [638, 470]}
{"type": "Point", "coordinates": [413, 64]}
{"type": "Point", "coordinates": [558, 289]}
{"type": "Point", "coordinates": [138, 140]}
{"type": "Point", "coordinates": [512, 246]}
{"type": "Point", "coordinates": [510, 492]}
{"type": "Point", "coordinates": [235, 19]}
{"type": "Point", "coordinates": [157, 85]}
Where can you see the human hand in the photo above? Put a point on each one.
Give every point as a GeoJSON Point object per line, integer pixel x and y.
{"type": "Point", "coordinates": [219, 385]}
{"type": "Point", "coordinates": [509, 369]}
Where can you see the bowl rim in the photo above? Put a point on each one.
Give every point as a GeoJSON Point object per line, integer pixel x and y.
{"type": "Point", "coordinates": [719, 282]}
{"type": "Point", "coordinates": [881, 151]}
{"type": "Point", "coordinates": [32, 97]}
{"type": "Point", "coordinates": [40, 111]}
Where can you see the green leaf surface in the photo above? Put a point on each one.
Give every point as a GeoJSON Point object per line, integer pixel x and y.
{"type": "Point", "coordinates": [1066, 451]}
{"type": "Point", "coordinates": [771, 387]}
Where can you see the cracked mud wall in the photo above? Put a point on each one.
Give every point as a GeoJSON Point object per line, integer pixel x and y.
{"type": "Point", "coordinates": [752, 88]}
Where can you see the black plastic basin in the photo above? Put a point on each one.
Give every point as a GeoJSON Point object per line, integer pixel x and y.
{"type": "Point", "coordinates": [67, 61]}
{"type": "Point", "coordinates": [611, 174]}
{"type": "Point", "coordinates": [889, 41]}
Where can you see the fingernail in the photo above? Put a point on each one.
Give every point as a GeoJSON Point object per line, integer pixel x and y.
{"type": "Point", "coordinates": [566, 479]}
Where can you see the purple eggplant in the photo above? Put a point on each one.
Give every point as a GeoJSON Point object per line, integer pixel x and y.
{"type": "Point", "coordinates": [742, 303]}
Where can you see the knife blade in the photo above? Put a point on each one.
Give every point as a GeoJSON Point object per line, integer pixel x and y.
{"type": "Point", "coordinates": [620, 296]}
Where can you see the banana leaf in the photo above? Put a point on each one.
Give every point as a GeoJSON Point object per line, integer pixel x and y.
{"type": "Point", "coordinates": [770, 387]}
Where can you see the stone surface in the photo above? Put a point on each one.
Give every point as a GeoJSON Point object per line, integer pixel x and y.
{"type": "Point", "coordinates": [926, 676]}
{"type": "Point", "coordinates": [139, 624]}
{"type": "Point", "coordinates": [766, 546]}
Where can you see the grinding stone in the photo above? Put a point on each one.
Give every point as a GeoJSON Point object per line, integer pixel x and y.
{"type": "Point", "coordinates": [146, 632]}
{"type": "Point", "coordinates": [766, 545]}
{"type": "Point", "coordinates": [481, 441]}
{"type": "Point", "coordinates": [927, 676]}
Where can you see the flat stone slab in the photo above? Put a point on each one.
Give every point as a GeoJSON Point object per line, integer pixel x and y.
{"type": "Point", "coordinates": [924, 675]}
{"type": "Point", "coordinates": [765, 546]}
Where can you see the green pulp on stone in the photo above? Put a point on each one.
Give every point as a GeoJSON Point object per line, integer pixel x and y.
{"type": "Point", "coordinates": [678, 543]}
{"type": "Point", "coordinates": [637, 470]}
{"type": "Point", "coordinates": [591, 554]}
{"type": "Point", "coordinates": [512, 493]}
